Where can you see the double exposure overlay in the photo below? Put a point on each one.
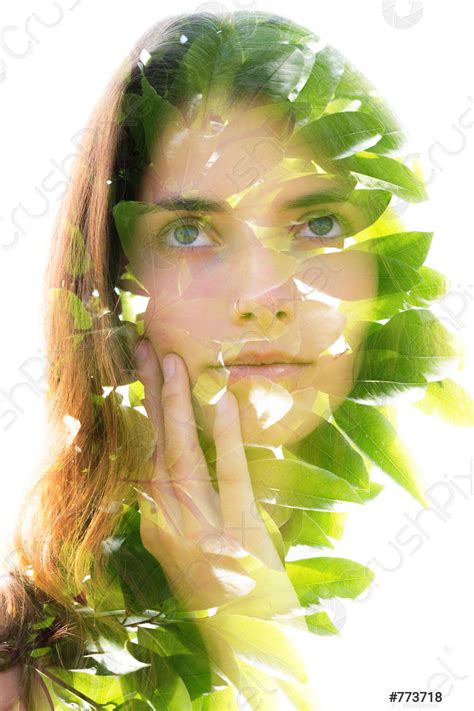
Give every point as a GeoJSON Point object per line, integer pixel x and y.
{"type": "Point", "coordinates": [233, 310]}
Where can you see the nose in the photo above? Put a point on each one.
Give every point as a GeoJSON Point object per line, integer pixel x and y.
{"type": "Point", "coordinates": [267, 292]}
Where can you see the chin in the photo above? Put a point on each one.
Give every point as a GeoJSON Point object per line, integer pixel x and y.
{"type": "Point", "coordinates": [272, 413]}
{"type": "Point", "coordinates": [280, 433]}
{"type": "Point", "coordinates": [261, 427]}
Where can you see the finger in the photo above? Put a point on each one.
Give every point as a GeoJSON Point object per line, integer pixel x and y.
{"type": "Point", "coordinates": [183, 454]}
{"type": "Point", "coordinates": [240, 516]}
{"type": "Point", "coordinates": [149, 373]}
{"type": "Point", "coordinates": [160, 487]}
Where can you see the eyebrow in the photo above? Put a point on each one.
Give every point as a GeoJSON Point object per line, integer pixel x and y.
{"type": "Point", "coordinates": [314, 198]}
{"type": "Point", "coordinates": [196, 204]}
{"type": "Point", "coordinates": [199, 204]}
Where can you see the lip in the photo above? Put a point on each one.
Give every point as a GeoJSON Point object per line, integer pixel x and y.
{"type": "Point", "coordinates": [273, 371]}
{"type": "Point", "coordinates": [264, 358]}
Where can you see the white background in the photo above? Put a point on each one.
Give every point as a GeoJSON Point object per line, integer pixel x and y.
{"type": "Point", "coordinates": [418, 621]}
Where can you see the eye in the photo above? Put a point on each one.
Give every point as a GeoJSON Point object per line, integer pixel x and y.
{"type": "Point", "coordinates": [322, 227]}
{"type": "Point", "coordinates": [185, 233]}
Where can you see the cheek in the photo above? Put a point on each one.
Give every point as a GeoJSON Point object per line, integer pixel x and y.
{"type": "Point", "coordinates": [346, 275]}
{"type": "Point", "coordinates": [186, 326]}
{"type": "Point", "coordinates": [171, 320]}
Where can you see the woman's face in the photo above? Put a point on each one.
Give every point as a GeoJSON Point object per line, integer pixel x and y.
{"type": "Point", "coordinates": [251, 274]}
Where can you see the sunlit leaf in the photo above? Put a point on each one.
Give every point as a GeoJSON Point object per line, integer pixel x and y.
{"type": "Point", "coordinates": [336, 136]}
{"type": "Point", "coordinates": [271, 72]}
{"type": "Point", "coordinates": [432, 286]}
{"type": "Point", "coordinates": [327, 448]}
{"type": "Point", "coordinates": [448, 400]}
{"type": "Point", "coordinates": [324, 577]}
{"type": "Point", "coordinates": [136, 393]}
{"type": "Point", "coordinates": [261, 643]}
{"type": "Point", "coordinates": [299, 484]}
{"type": "Point", "coordinates": [320, 623]}
{"type": "Point", "coordinates": [408, 247]}
{"type": "Point", "coordinates": [383, 172]}
{"type": "Point", "coordinates": [377, 438]}
{"type": "Point", "coordinates": [322, 82]}
{"type": "Point", "coordinates": [417, 334]}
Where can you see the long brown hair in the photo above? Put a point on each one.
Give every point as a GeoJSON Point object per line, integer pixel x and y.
{"type": "Point", "coordinates": [69, 511]}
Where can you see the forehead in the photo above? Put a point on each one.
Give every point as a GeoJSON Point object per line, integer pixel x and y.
{"type": "Point", "coordinates": [233, 154]}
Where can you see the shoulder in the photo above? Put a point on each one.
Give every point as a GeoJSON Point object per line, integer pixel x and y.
{"type": "Point", "coordinates": [11, 691]}
{"type": "Point", "coordinates": [20, 608]}
{"type": "Point", "coordinates": [13, 694]}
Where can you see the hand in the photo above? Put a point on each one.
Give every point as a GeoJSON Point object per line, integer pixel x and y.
{"type": "Point", "coordinates": [213, 546]}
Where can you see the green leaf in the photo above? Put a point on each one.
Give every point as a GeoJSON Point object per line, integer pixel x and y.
{"type": "Point", "coordinates": [448, 400]}
{"type": "Point", "coordinates": [59, 696]}
{"type": "Point", "coordinates": [291, 529]}
{"type": "Point", "coordinates": [317, 528]}
{"type": "Point", "coordinates": [394, 276]}
{"type": "Point", "coordinates": [156, 114]}
{"type": "Point", "coordinates": [159, 683]}
{"type": "Point", "coordinates": [260, 643]}
{"type": "Point", "coordinates": [42, 624]}
{"type": "Point", "coordinates": [325, 577]}
{"type": "Point", "coordinates": [136, 393]}
{"type": "Point", "coordinates": [40, 652]}
{"type": "Point", "coordinates": [274, 531]}
{"type": "Point", "coordinates": [381, 171]}
{"type": "Point", "coordinates": [116, 661]}
{"type": "Point", "coordinates": [311, 534]}
{"type": "Point", "coordinates": [194, 669]}
{"type": "Point", "coordinates": [320, 623]}
{"type": "Point", "coordinates": [126, 302]}
{"type": "Point", "coordinates": [266, 694]}
{"type": "Point", "coordinates": [280, 514]}
{"type": "Point", "coordinates": [125, 214]}
{"type": "Point", "coordinates": [69, 305]}
{"type": "Point", "coordinates": [431, 287]}
{"type": "Point", "coordinates": [355, 87]}
{"type": "Point", "coordinates": [408, 247]}
{"type": "Point", "coordinates": [142, 579]}
{"type": "Point", "coordinates": [207, 67]}
{"type": "Point", "coordinates": [385, 375]}
{"type": "Point", "coordinates": [379, 307]}
{"type": "Point", "coordinates": [322, 82]}
{"type": "Point", "coordinates": [98, 689]}
{"type": "Point", "coordinates": [297, 484]}
{"type": "Point", "coordinates": [270, 72]}
{"type": "Point", "coordinates": [374, 490]}
{"type": "Point", "coordinates": [372, 432]}
{"type": "Point", "coordinates": [162, 641]}
{"type": "Point", "coordinates": [364, 207]}
{"type": "Point", "coordinates": [336, 136]}
{"type": "Point", "coordinates": [418, 334]}
{"type": "Point", "coordinates": [327, 448]}
{"type": "Point", "coordinates": [216, 700]}
{"type": "Point", "coordinates": [331, 522]}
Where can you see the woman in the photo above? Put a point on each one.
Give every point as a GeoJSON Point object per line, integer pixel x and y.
{"type": "Point", "coordinates": [229, 298]}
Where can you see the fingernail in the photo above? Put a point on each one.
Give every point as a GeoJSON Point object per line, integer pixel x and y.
{"type": "Point", "coordinates": [169, 367]}
{"type": "Point", "coordinates": [141, 353]}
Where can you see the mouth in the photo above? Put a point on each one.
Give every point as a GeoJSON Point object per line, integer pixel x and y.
{"type": "Point", "coordinates": [264, 358]}
{"type": "Point", "coordinates": [274, 365]}
{"type": "Point", "coordinates": [274, 371]}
